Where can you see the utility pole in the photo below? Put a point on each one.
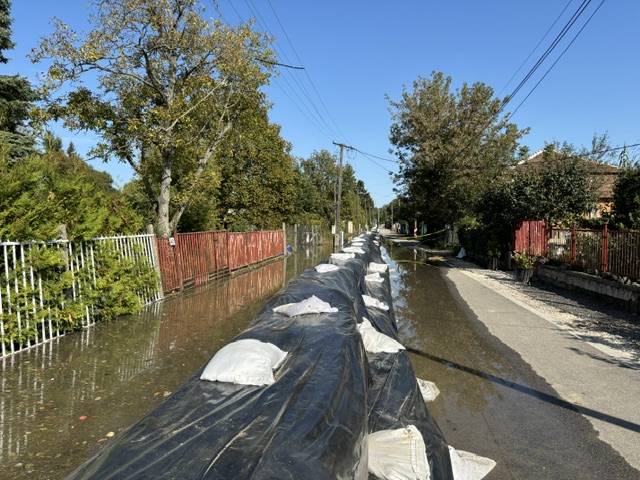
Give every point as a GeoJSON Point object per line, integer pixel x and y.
{"type": "Point", "coordinates": [337, 242]}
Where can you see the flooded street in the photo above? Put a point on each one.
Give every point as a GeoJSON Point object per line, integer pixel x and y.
{"type": "Point", "coordinates": [61, 401]}
{"type": "Point", "coordinates": [491, 402]}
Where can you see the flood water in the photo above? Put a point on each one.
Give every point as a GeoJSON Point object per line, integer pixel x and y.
{"type": "Point", "coordinates": [491, 402]}
{"type": "Point", "coordinates": [61, 401]}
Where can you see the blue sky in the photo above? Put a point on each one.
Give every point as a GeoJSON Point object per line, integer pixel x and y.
{"type": "Point", "coordinates": [357, 52]}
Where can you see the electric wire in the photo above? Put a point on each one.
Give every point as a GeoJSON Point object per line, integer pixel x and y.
{"type": "Point", "coordinates": [305, 72]}
{"type": "Point", "coordinates": [536, 47]}
{"type": "Point", "coordinates": [308, 101]}
{"type": "Point", "coordinates": [558, 59]}
{"type": "Point", "coordinates": [290, 84]}
{"type": "Point", "coordinates": [550, 49]}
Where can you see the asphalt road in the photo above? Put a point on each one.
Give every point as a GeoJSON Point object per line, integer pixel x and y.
{"type": "Point", "coordinates": [596, 384]}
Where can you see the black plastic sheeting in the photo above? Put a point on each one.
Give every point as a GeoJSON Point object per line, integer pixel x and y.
{"type": "Point", "coordinates": [312, 423]}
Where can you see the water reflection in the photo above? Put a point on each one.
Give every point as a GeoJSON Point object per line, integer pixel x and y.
{"type": "Point", "coordinates": [60, 401]}
{"type": "Point", "coordinates": [439, 336]}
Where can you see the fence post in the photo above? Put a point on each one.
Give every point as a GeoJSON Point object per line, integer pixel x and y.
{"type": "Point", "coordinates": [156, 258]}
{"type": "Point", "coordinates": [62, 233]}
{"type": "Point", "coordinates": [284, 239]}
{"type": "Point", "coordinates": [605, 247]}
{"type": "Point", "coordinates": [178, 258]}
{"type": "Point", "coordinates": [572, 249]}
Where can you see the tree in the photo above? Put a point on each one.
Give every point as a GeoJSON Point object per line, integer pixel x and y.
{"type": "Point", "coordinates": [319, 174]}
{"type": "Point", "coordinates": [16, 97]}
{"type": "Point", "coordinates": [170, 86]}
{"type": "Point", "coordinates": [257, 185]}
{"type": "Point", "coordinates": [39, 193]}
{"type": "Point", "coordinates": [626, 198]}
{"type": "Point", "coordinates": [450, 146]}
{"type": "Point", "coordinates": [558, 190]}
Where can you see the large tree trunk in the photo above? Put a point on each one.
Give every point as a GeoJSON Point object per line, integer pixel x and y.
{"type": "Point", "coordinates": [164, 197]}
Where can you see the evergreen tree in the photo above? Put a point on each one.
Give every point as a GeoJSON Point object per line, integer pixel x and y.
{"type": "Point", "coordinates": [16, 97]}
{"type": "Point", "coordinates": [43, 191]}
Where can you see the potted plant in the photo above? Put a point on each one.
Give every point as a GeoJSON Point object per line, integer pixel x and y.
{"type": "Point", "coordinates": [524, 263]}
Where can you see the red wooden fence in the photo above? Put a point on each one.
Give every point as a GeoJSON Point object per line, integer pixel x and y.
{"type": "Point", "coordinates": [190, 259]}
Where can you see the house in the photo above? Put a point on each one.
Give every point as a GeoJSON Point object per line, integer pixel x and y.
{"type": "Point", "coordinates": [602, 177]}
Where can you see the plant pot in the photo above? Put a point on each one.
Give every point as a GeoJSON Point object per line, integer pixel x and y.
{"type": "Point", "coordinates": [492, 263]}
{"type": "Point", "coordinates": [524, 275]}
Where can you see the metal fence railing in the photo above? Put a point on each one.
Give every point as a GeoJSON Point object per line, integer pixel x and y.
{"type": "Point", "coordinates": [45, 286]}
{"type": "Point", "coordinates": [613, 251]}
{"type": "Point", "coordinates": [191, 259]}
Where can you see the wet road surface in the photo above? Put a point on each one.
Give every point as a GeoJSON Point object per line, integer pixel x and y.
{"type": "Point", "coordinates": [59, 403]}
{"type": "Point", "coordinates": [492, 403]}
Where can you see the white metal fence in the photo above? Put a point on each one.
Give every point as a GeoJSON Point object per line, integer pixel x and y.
{"type": "Point", "coordinates": [40, 282]}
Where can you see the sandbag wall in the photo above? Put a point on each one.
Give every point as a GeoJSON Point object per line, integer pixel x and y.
{"type": "Point", "coordinates": [314, 420]}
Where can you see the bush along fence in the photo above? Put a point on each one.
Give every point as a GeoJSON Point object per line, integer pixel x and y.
{"type": "Point", "coordinates": [48, 289]}
{"type": "Point", "coordinates": [615, 252]}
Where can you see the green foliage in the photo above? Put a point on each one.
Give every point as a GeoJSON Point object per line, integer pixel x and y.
{"type": "Point", "coordinates": [257, 174]}
{"type": "Point", "coordinates": [558, 191]}
{"type": "Point", "coordinates": [523, 260]}
{"type": "Point", "coordinates": [450, 146]}
{"type": "Point", "coordinates": [171, 85]}
{"type": "Point", "coordinates": [55, 298]}
{"type": "Point", "coordinates": [626, 199]}
{"type": "Point", "coordinates": [318, 175]}
{"type": "Point", "coordinates": [5, 29]}
{"type": "Point", "coordinates": [39, 193]}
{"type": "Point", "coordinates": [16, 97]}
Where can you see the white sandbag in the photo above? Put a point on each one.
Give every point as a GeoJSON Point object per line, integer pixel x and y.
{"type": "Point", "coordinates": [378, 267]}
{"type": "Point", "coordinates": [309, 306]}
{"type": "Point", "coordinates": [398, 455]}
{"type": "Point", "coordinates": [245, 362]}
{"type": "Point", "coordinates": [429, 390]}
{"type": "Point", "coordinates": [343, 256]}
{"type": "Point", "coordinates": [374, 302]}
{"type": "Point", "coordinates": [374, 277]}
{"type": "Point", "coordinates": [326, 267]}
{"type": "Point", "coordinates": [469, 466]}
{"type": "Point", "coordinates": [375, 341]}
{"type": "Point", "coordinates": [353, 250]}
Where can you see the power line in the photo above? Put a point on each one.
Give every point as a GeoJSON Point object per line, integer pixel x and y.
{"type": "Point", "coordinates": [551, 47]}
{"type": "Point", "coordinates": [558, 59]}
{"type": "Point", "coordinates": [375, 156]}
{"type": "Point", "coordinates": [536, 47]}
{"type": "Point", "coordinates": [294, 83]}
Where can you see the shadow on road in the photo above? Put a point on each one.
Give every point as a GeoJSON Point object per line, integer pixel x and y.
{"type": "Point", "coordinates": [634, 427]}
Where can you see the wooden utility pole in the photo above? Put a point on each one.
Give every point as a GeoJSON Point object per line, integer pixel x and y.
{"type": "Point", "coordinates": [337, 242]}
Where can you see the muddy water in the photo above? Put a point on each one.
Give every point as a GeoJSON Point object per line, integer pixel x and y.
{"type": "Point", "coordinates": [60, 402]}
{"type": "Point", "coordinates": [491, 402]}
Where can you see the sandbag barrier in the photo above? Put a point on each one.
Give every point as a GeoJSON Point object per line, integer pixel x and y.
{"type": "Point", "coordinates": [313, 421]}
